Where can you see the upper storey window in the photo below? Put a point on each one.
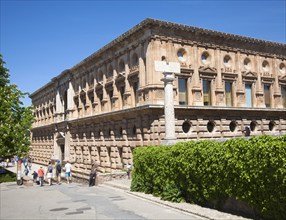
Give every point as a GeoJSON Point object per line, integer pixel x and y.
{"type": "Point", "coordinates": [65, 103]}
{"type": "Point", "coordinates": [227, 61]}
{"type": "Point", "coordinates": [110, 94]}
{"type": "Point", "coordinates": [247, 63]}
{"type": "Point", "coordinates": [134, 60]}
{"type": "Point", "coordinates": [182, 83]}
{"type": "Point", "coordinates": [109, 73]}
{"type": "Point", "coordinates": [282, 68]}
{"type": "Point", "coordinates": [207, 92]}
{"type": "Point", "coordinates": [228, 93]}
{"type": "Point", "coordinates": [248, 94]}
{"type": "Point", "coordinates": [135, 92]}
{"type": "Point", "coordinates": [83, 84]}
{"type": "Point", "coordinates": [122, 91]}
{"type": "Point", "coordinates": [91, 80]}
{"type": "Point", "coordinates": [99, 77]}
{"type": "Point", "coordinates": [121, 67]}
{"type": "Point", "coordinates": [205, 58]}
{"type": "Point", "coordinates": [265, 66]}
{"type": "Point", "coordinates": [267, 95]}
{"type": "Point", "coordinates": [182, 55]}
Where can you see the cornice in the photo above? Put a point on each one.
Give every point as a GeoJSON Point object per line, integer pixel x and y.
{"type": "Point", "coordinates": [194, 36]}
{"type": "Point", "coordinates": [214, 39]}
{"type": "Point", "coordinates": [200, 33]}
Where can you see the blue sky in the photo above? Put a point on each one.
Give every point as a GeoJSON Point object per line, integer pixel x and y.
{"type": "Point", "coordinates": [40, 39]}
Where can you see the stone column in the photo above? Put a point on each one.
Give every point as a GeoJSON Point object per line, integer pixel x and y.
{"type": "Point", "coordinates": [170, 137]}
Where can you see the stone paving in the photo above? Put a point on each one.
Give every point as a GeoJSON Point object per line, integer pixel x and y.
{"type": "Point", "coordinates": [124, 184]}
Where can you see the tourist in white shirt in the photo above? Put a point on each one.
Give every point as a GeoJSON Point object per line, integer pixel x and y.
{"type": "Point", "coordinates": [68, 171]}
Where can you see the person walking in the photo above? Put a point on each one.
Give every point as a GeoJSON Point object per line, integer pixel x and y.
{"type": "Point", "coordinates": [7, 162]}
{"type": "Point", "coordinates": [68, 171]}
{"type": "Point", "coordinates": [35, 176]}
{"type": "Point", "coordinates": [50, 173]}
{"type": "Point", "coordinates": [58, 171]}
{"type": "Point", "coordinates": [26, 170]}
{"type": "Point", "coordinates": [92, 175]}
{"type": "Point", "coordinates": [41, 175]}
{"type": "Point", "coordinates": [30, 165]}
{"type": "Point", "coordinates": [129, 170]}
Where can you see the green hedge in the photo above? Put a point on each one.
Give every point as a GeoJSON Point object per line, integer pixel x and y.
{"type": "Point", "coordinates": [252, 171]}
{"type": "Point", "coordinates": [7, 177]}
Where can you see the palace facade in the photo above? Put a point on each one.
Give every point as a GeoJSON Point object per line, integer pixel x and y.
{"type": "Point", "coordinates": [113, 101]}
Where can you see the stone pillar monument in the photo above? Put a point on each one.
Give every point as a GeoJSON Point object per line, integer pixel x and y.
{"type": "Point", "coordinates": [170, 137]}
{"type": "Point", "coordinates": [168, 68]}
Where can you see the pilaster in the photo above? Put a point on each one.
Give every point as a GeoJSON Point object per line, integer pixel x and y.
{"type": "Point", "coordinates": [240, 90]}
{"type": "Point", "coordinates": [196, 85]}
{"type": "Point", "coordinates": [219, 91]}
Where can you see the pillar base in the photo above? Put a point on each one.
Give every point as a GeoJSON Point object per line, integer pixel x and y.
{"type": "Point", "coordinates": [169, 141]}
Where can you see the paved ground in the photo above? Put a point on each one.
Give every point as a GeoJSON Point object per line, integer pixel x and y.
{"type": "Point", "coordinates": [78, 201]}
{"type": "Point", "coordinates": [122, 185]}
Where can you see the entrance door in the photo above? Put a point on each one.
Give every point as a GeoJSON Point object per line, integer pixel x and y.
{"type": "Point", "coordinates": [62, 146]}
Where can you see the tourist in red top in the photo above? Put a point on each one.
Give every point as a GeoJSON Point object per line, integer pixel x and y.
{"type": "Point", "coordinates": [41, 173]}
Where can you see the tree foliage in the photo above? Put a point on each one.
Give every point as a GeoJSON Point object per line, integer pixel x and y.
{"type": "Point", "coordinates": [15, 119]}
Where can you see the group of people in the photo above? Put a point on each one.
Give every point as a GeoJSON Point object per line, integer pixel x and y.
{"type": "Point", "coordinates": [40, 175]}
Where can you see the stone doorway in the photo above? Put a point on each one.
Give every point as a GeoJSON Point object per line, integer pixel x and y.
{"type": "Point", "coordinates": [62, 152]}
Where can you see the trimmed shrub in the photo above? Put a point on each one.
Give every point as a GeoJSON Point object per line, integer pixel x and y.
{"type": "Point", "coordinates": [251, 171]}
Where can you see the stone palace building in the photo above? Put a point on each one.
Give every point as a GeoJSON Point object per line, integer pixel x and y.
{"type": "Point", "coordinates": [113, 101]}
